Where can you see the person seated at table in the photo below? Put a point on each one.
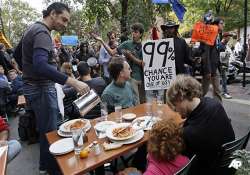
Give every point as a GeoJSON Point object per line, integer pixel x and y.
{"type": "Point", "coordinates": [98, 84]}
{"type": "Point", "coordinates": [206, 127]}
{"type": "Point", "coordinates": [164, 146]}
{"type": "Point", "coordinates": [14, 147]}
{"type": "Point", "coordinates": [16, 85]}
{"type": "Point", "coordinates": [119, 91]}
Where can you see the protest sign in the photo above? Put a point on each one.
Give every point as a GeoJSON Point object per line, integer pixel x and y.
{"type": "Point", "coordinates": [69, 40]}
{"type": "Point", "coordinates": [204, 33]}
{"type": "Point", "coordinates": [160, 1]}
{"type": "Point", "coordinates": [159, 58]}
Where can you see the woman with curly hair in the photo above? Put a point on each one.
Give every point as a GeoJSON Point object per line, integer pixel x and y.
{"type": "Point", "coordinates": [164, 149]}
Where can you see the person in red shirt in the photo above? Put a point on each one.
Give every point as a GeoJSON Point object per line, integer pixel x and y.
{"type": "Point", "coordinates": [14, 147]}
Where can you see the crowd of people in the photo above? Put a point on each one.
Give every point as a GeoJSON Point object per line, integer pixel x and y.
{"type": "Point", "coordinates": [115, 71]}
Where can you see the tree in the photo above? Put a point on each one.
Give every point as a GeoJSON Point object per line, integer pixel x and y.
{"type": "Point", "coordinates": [16, 16]}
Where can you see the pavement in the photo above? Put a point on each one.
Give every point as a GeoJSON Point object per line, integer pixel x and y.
{"type": "Point", "coordinates": [237, 108]}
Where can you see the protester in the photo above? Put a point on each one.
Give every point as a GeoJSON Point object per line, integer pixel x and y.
{"type": "Point", "coordinates": [132, 50]}
{"type": "Point", "coordinates": [224, 61]}
{"type": "Point", "coordinates": [104, 56]}
{"type": "Point", "coordinates": [119, 91]}
{"type": "Point", "coordinates": [181, 50]}
{"type": "Point", "coordinates": [210, 64]}
{"type": "Point", "coordinates": [14, 147]}
{"type": "Point", "coordinates": [40, 76]}
{"type": "Point", "coordinates": [206, 127]}
{"type": "Point", "coordinates": [85, 52]}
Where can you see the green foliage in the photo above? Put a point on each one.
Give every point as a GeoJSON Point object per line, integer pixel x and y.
{"type": "Point", "coordinates": [17, 15]}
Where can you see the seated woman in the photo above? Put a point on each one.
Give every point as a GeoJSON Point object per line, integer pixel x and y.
{"type": "Point", "coordinates": [165, 145]}
{"type": "Point", "coordinates": [164, 149]}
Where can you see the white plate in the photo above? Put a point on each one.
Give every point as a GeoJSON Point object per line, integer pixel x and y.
{"type": "Point", "coordinates": [138, 136]}
{"type": "Point", "coordinates": [145, 120]}
{"type": "Point", "coordinates": [65, 127]}
{"type": "Point", "coordinates": [104, 125]}
{"type": "Point", "coordinates": [109, 131]}
{"type": "Point", "coordinates": [69, 134]}
{"type": "Point", "coordinates": [129, 116]}
{"type": "Point", "coordinates": [62, 146]}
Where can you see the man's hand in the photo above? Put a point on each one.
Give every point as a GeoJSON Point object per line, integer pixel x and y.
{"type": "Point", "coordinates": [96, 37]}
{"type": "Point", "coordinates": [80, 86]}
{"type": "Point", "coordinates": [127, 54]}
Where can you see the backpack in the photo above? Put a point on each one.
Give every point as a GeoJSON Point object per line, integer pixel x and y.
{"type": "Point", "coordinates": [27, 127]}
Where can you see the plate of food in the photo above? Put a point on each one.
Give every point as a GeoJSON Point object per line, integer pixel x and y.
{"type": "Point", "coordinates": [145, 122]}
{"type": "Point", "coordinates": [121, 131]}
{"type": "Point", "coordinates": [76, 123]}
{"type": "Point", "coordinates": [104, 125]}
{"type": "Point", "coordinates": [129, 116]}
{"type": "Point", "coordinates": [69, 134]}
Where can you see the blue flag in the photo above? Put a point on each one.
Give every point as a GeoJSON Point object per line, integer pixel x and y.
{"type": "Point", "coordinates": [160, 1]}
{"type": "Point", "coordinates": [179, 9]}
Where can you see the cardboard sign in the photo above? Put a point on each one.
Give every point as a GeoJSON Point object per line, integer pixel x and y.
{"type": "Point", "coordinates": [204, 33]}
{"type": "Point", "coordinates": [159, 58]}
{"type": "Point", "coordinates": [69, 40]}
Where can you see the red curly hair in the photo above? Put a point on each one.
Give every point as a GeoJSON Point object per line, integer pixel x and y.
{"type": "Point", "coordinates": [165, 140]}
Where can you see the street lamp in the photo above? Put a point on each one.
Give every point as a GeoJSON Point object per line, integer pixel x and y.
{"type": "Point", "coordinates": [245, 45]}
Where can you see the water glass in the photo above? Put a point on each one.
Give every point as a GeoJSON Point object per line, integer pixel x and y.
{"type": "Point", "coordinates": [104, 111]}
{"type": "Point", "coordinates": [77, 136]}
{"type": "Point", "coordinates": [118, 111]}
{"type": "Point", "coordinates": [159, 102]}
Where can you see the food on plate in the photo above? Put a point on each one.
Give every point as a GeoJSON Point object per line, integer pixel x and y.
{"type": "Point", "coordinates": [122, 132]}
{"type": "Point", "coordinates": [76, 125]}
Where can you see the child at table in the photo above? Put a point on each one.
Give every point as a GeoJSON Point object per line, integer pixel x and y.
{"type": "Point", "coordinates": [165, 145]}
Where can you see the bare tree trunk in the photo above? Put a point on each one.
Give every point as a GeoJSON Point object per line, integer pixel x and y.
{"type": "Point", "coordinates": [124, 20]}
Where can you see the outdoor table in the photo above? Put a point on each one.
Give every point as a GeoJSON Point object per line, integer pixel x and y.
{"type": "Point", "coordinates": [3, 159]}
{"type": "Point", "coordinates": [71, 164]}
{"type": "Point", "coordinates": [21, 101]}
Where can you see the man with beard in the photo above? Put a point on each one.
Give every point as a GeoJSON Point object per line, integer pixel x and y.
{"type": "Point", "coordinates": [40, 75]}
{"type": "Point", "coordinates": [181, 50]}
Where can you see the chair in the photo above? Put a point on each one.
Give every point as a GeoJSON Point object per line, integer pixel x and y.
{"type": "Point", "coordinates": [227, 149]}
{"type": "Point", "coordinates": [185, 169]}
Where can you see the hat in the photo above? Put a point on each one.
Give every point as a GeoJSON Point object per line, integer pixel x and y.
{"type": "Point", "coordinates": [92, 61]}
{"type": "Point", "coordinates": [1, 46]}
{"type": "Point", "coordinates": [226, 34]}
{"type": "Point", "coordinates": [169, 24]}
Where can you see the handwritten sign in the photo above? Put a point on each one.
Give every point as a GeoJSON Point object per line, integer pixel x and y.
{"type": "Point", "coordinates": [159, 57]}
{"type": "Point", "coordinates": [204, 33]}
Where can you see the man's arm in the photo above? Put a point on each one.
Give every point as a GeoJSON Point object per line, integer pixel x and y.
{"type": "Point", "coordinates": [4, 135]}
{"type": "Point", "coordinates": [111, 52]}
{"type": "Point", "coordinates": [133, 58]}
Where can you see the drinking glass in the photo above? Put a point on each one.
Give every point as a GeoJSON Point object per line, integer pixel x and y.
{"type": "Point", "coordinates": [159, 102]}
{"type": "Point", "coordinates": [104, 111]}
{"type": "Point", "coordinates": [118, 111]}
{"type": "Point", "coordinates": [77, 136]}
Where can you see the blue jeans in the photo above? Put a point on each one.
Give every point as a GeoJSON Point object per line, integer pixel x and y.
{"type": "Point", "coordinates": [224, 80]}
{"type": "Point", "coordinates": [42, 99]}
{"type": "Point", "coordinates": [14, 148]}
